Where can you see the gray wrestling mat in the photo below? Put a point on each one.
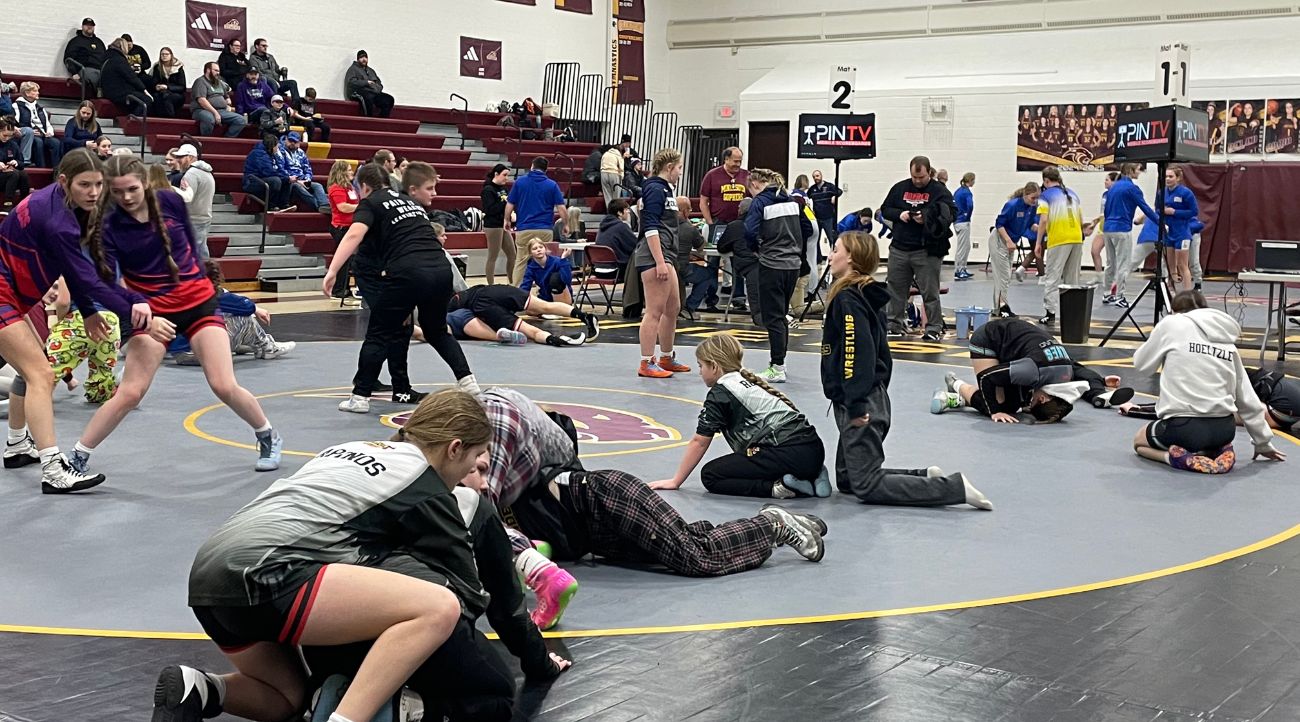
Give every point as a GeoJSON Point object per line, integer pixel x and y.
{"type": "Point", "coordinates": [1075, 507]}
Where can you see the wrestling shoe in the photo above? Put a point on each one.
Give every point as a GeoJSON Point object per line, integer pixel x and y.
{"type": "Point", "coordinates": [795, 531]}
{"type": "Point", "coordinates": [781, 490]}
{"type": "Point", "coordinates": [355, 404]}
{"type": "Point", "coordinates": [554, 588]}
{"type": "Point", "coordinates": [507, 337]}
{"type": "Point", "coordinates": [1107, 300]}
{"type": "Point", "coordinates": [559, 341]}
{"type": "Point", "coordinates": [79, 461]}
{"type": "Point", "coordinates": [58, 477]}
{"type": "Point", "coordinates": [593, 325]}
{"type": "Point", "coordinates": [269, 448]}
{"type": "Point", "coordinates": [950, 382]}
{"type": "Point", "coordinates": [21, 453]}
{"type": "Point", "coordinates": [543, 548]}
{"type": "Point", "coordinates": [668, 362]}
{"type": "Point", "coordinates": [1047, 319]}
{"type": "Point", "coordinates": [773, 374]}
{"type": "Point", "coordinates": [185, 694]}
{"type": "Point", "coordinates": [1181, 458]}
{"type": "Point", "coordinates": [651, 370]}
{"type": "Point", "coordinates": [1110, 399]}
{"type": "Point", "coordinates": [945, 401]}
{"type": "Point", "coordinates": [186, 358]}
{"type": "Point", "coordinates": [932, 337]}
{"type": "Point", "coordinates": [274, 350]}
{"type": "Point", "coordinates": [409, 396]}
{"type": "Point", "coordinates": [1004, 311]}
{"type": "Point", "coordinates": [895, 335]}
{"type": "Point", "coordinates": [1121, 302]}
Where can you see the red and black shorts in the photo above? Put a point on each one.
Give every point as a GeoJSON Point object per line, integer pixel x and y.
{"type": "Point", "coordinates": [281, 620]}
{"type": "Point", "coordinates": [189, 321]}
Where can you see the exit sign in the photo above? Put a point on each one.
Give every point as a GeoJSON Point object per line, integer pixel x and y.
{"type": "Point", "coordinates": [724, 111]}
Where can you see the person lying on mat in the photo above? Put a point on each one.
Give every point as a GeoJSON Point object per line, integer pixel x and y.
{"type": "Point", "coordinates": [489, 313]}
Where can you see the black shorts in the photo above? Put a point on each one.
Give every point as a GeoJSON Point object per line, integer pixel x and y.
{"type": "Point", "coordinates": [495, 305]}
{"type": "Point", "coordinates": [190, 320]}
{"type": "Point", "coordinates": [281, 620]}
{"type": "Point", "coordinates": [1197, 434]}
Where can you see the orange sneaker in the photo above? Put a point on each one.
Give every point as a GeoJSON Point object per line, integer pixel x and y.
{"type": "Point", "coordinates": [669, 363]}
{"type": "Point", "coordinates": [652, 371]}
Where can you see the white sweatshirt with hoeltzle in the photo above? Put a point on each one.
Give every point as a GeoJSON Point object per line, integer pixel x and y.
{"type": "Point", "coordinates": [1203, 374]}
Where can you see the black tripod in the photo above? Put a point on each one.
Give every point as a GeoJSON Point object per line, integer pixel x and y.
{"type": "Point", "coordinates": [814, 293]}
{"type": "Point", "coordinates": [1158, 283]}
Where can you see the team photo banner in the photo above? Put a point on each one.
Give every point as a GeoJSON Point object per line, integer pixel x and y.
{"type": "Point", "coordinates": [1075, 136]}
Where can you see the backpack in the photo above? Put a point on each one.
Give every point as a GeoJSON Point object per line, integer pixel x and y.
{"type": "Point", "coordinates": [453, 222]}
{"type": "Point", "coordinates": [473, 219]}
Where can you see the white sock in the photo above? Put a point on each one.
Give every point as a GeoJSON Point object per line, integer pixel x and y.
{"type": "Point", "coordinates": [336, 717]}
{"type": "Point", "coordinates": [958, 387]}
{"type": "Point", "coordinates": [264, 428]}
{"type": "Point", "coordinates": [82, 449]}
{"type": "Point", "coordinates": [16, 435]}
{"type": "Point", "coordinates": [975, 497]}
{"type": "Point", "coordinates": [469, 385]}
{"type": "Point", "coordinates": [562, 478]}
{"type": "Point", "coordinates": [530, 562]}
{"type": "Point", "coordinates": [219, 683]}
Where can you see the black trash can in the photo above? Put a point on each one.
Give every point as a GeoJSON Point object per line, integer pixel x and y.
{"type": "Point", "coordinates": [1076, 313]}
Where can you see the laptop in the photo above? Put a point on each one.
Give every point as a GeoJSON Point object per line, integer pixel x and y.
{"type": "Point", "coordinates": [1277, 256]}
{"type": "Point", "coordinates": [715, 234]}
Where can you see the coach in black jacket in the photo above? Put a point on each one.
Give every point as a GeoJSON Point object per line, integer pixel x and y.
{"type": "Point", "coordinates": [921, 210]}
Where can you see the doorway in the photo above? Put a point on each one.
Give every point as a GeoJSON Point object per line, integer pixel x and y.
{"type": "Point", "coordinates": [769, 146]}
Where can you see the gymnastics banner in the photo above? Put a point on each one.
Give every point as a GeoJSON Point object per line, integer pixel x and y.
{"type": "Point", "coordinates": [627, 52]}
{"type": "Point", "coordinates": [1071, 137]}
{"type": "Point", "coordinates": [1218, 112]}
{"type": "Point", "coordinates": [1245, 126]}
{"type": "Point", "coordinates": [574, 6]}
{"type": "Point", "coordinates": [1280, 124]}
{"type": "Point", "coordinates": [480, 58]}
{"type": "Point", "coordinates": [208, 26]}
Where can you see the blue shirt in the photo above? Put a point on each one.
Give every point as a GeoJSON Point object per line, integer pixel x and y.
{"type": "Point", "coordinates": [1017, 218]}
{"type": "Point", "coordinates": [535, 197]}
{"type": "Point", "coordinates": [851, 222]}
{"type": "Point", "coordinates": [965, 201]}
{"type": "Point", "coordinates": [1122, 200]}
{"type": "Point", "coordinates": [1183, 201]}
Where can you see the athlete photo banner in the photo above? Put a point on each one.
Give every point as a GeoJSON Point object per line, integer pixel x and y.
{"type": "Point", "coordinates": [1280, 125]}
{"type": "Point", "coordinates": [837, 136]}
{"type": "Point", "coordinates": [1077, 136]}
{"type": "Point", "coordinates": [208, 26]}
{"type": "Point", "coordinates": [574, 6]}
{"type": "Point", "coordinates": [1218, 112]}
{"type": "Point", "coordinates": [480, 58]}
{"type": "Point", "coordinates": [1245, 126]}
{"type": "Point", "coordinates": [627, 52]}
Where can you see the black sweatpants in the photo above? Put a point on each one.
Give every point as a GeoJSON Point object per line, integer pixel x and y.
{"type": "Point", "coordinates": [341, 280]}
{"type": "Point", "coordinates": [861, 456]}
{"type": "Point", "coordinates": [422, 281]}
{"type": "Point", "coordinates": [749, 271]}
{"type": "Point", "coordinates": [378, 103]}
{"type": "Point", "coordinates": [753, 471]}
{"type": "Point", "coordinates": [775, 286]}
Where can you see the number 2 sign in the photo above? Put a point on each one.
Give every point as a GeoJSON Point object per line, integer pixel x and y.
{"type": "Point", "coordinates": [844, 84]}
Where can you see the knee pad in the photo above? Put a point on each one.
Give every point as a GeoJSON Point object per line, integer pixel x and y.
{"type": "Point", "coordinates": [19, 387]}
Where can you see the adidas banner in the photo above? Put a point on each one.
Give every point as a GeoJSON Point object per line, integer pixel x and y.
{"type": "Point", "coordinates": [480, 58]}
{"type": "Point", "coordinates": [209, 26]}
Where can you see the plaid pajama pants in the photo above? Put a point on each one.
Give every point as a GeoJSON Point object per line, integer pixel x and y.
{"type": "Point", "coordinates": [627, 521]}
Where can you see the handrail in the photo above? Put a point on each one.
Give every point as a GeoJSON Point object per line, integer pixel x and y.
{"type": "Point", "coordinates": [513, 157]}
{"type": "Point", "coordinates": [464, 115]}
{"type": "Point", "coordinates": [266, 214]}
{"type": "Point", "coordinates": [144, 125]}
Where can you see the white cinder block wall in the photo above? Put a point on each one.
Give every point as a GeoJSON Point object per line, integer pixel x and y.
{"type": "Point", "coordinates": [988, 77]}
{"type": "Point", "coordinates": [414, 46]}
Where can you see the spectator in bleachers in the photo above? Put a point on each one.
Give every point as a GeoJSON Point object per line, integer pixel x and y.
{"type": "Point", "coordinates": [6, 89]}
{"type": "Point", "coordinates": [36, 132]}
{"type": "Point", "coordinates": [275, 120]}
{"type": "Point", "coordinates": [615, 232]}
{"type": "Point", "coordinates": [343, 200]}
{"type": "Point", "coordinates": [363, 83]}
{"type": "Point", "coordinates": [570, 228]}
{"type": "Point", "coordinates": [84, 55]}
{"type": "Point", "coordinates": [104, 147]}
{"type": "Point", "coordinates": [14, 184]}
{"type": "Point", "coordinates": [264, 172]}
{"type": "Point", "coordinates": [138, 58]}
{"type": "Point", "coordinates": [303, 111]}
{"type": "Point", "coordinates": [528, 115]}
{"type": "Point", "coordinates": [494, 212]}
{"type": "Point", "coordinates": [156, 175]}
{"type": "Point", "coordinates": [272, 72]}
{"type": "Point", "coordinates": [173, 167]}
{"type": "Point", "coordinates": [591, 168]}
{"type": "Point", "coordinates": [625, 144]}
{"type": "Point", "coordinates": [633, 175]}
{"type": "Point", "coordinates": [611, 174]}
{"type": "Point", "coordinates": [82, 129]}
{"type": "Point", "coordinates": [233, 62]}
{"type": "Point", "coordinates": [385, 159]}
{"type": "Point", "coordinates": [300, 174]}
{"type": "Point", "coordinates": [197, 188]}
{"type": "Point", "coordinates": [253, 96]}
{"type": "Point", "coordinates": [121, 84]}
{"type": "Point", "coordinates": [167, 78]}
{"type": "Point", "coordinates": [210, 96]}
{"type": "Point", "coordinates": [537, 199]}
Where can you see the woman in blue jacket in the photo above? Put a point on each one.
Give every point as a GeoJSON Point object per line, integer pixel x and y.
{"type": "Point", "coordinates": [552, 275]}
{"type": "Point", "coordinates": [83, 129]}
{"type": "Point", "coordinates": [1180, 211]}
{"type": "Point", "coordinates": [1015, 221]}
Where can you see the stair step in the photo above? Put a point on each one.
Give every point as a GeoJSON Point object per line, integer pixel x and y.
{"type": "Point", "coordinates": [286, 249]}
{"type": "Point", "coordinates": [291, 285]}
{"type": "Point", "coordinates": [316, 272]}
{"type": "Point", "coordinates": [282, 261]}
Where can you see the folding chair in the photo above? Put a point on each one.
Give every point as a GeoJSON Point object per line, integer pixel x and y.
{"type": "Point", "coordinates": [602, 270]}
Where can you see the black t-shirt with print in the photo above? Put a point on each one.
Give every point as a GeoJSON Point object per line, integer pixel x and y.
{"type": "Point", "coordinates": [399, 228]}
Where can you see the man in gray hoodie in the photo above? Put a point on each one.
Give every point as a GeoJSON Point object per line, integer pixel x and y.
{"type": "Point", "coordinates": [197, 189]}
{"type": "Point", "coordinates": [363, 83]}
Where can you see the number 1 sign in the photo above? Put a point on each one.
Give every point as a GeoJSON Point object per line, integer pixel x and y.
{"type": "Point", "coordinates": [1173, 66]}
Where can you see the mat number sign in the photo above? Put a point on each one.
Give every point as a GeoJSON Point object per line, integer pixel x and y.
{"type": "Point", "coordinates": [844, 83]}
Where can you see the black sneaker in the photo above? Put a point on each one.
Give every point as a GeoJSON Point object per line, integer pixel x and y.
{"type": "Point", "coordinates": [895, 335]}
{"type": "Point", "coordinates": [932, 337]}
{"type": "Point", "coordinates": [1005, 312]}
{"type": "Point", "coordinates": [713, 308]}
{"type": "Point", "coordinates": [409, 396]}
{"type": "Point", "coordinates": [184, 694]}
{"type": "Point", "coordinates": [382, 388]}
{"type": "Point", "coordinates": [740, 306]}
{"type": "Point", "coordinates": [593, 325]}
{"type": "Point", "coordinates": [1048, 319]}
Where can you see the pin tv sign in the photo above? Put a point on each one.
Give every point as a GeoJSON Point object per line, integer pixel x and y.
{"type": "Point", "coordinates": [842, 137]}
{"type": "Point", "coordinates": [1169, 133]}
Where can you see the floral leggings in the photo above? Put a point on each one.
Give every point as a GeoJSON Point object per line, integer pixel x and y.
{"type": "Point", "coordinates": [68, 345]}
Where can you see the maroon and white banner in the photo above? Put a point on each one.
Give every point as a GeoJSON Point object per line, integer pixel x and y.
{"type": "Point", "coordinates": [574, 6]}
{"type": "Point", "coordinates": [208, 26]}
{"type": "Point", "coordinates": [627, 52]}
{"type": "Point", "coordinates": [521, 2]}
{"type": "Point", "coordinates": [480, 58]}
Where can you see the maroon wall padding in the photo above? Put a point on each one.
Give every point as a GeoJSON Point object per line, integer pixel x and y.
{"type": "Point", "coordinates": [1241, 203]}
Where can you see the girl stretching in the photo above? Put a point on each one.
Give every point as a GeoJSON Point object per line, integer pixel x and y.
{"type": "Point", "coordinates": [856, 367]}
{"type": "Point", "coordinates": [776, 453]}
{"type": "Point", "coordinates": [655, 256]}
{"type": "Point", "coordinates": [146, 236]}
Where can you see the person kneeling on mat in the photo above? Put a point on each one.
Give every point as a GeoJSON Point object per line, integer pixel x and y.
{"type": "Point", "coordinates": [856, 367]}
{"type": "Point", "coordinates": [552, 275]}
{"type": "Point", "coordinates": [776, 453]}
{"type": "Point", "coordinates": [1203, 384]}
{"type": "Point", "coordinates": [1019, 366]}
{"type": "Point", "coordinates": [1281, 396]}
{"type": "Point", "coordinates": [488, 313]}
{"type": "Point", "coordinates": [465, 679]}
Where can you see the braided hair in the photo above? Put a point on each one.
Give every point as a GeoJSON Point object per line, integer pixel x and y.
{"type": "Point", "coordinates": [116, 167]}
{"type": "Point", "coordinates": [726, 353]}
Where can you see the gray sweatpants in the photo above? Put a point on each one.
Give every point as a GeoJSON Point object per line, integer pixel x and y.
{"type": "Point", "coordinates": [861, 456]}
{"type": "Point", "coordinates": [609, 186]}
{"type": "Point", "coordinates": [1118, 252]}
{"type": "Point", "coordinates": [1063, 265]}
{"type": "Point", "coordinates": [961, 251]}
{"type": "Point", "coordinates": [1000, 264]}
{"type": "Point", "coordinates": [906, 267]}
{"type": "Point", "coordinates": [1194, 260]}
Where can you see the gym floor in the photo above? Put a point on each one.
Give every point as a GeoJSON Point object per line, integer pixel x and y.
{"type": "Point", "coordinates": [1102, 588]}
